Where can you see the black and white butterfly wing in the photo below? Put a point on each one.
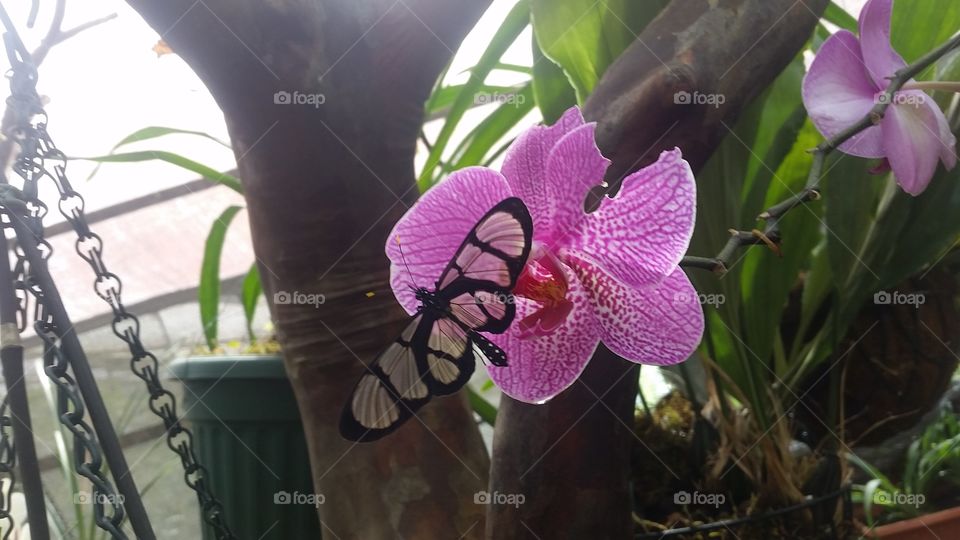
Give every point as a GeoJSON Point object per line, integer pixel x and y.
{"type": "Point", "coordinates": [430, 357]}
{"type": "Point", "coordinates": [391, 390]}
{"type": "Point", "coordinates": [479, 279]}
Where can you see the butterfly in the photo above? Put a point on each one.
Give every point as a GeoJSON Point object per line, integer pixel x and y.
{"type": "Point", "coordinates": [435, 354]}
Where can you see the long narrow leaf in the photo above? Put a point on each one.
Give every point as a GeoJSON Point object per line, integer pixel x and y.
{"type": "Point", "coordinates": [209, 173]}
{"type": "Point", "coordinates": [484, 409]}
{"type": "Point", "coordinates": [513, 25]}
{"type": "Point", "coordinates": [209, 291]}
{"type": "Point", "coordinates": [493, 129]}
{"type": "Point", "coordinates": [252, 290]}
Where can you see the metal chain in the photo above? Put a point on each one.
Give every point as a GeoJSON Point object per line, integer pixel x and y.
{"type": "Point", "coordinates": [51, 162]}
{"type": "Point", "coordinates": [30, 166]}
{"type": "Point", "coordinates": [7, 463]}
{"type": "Point", "coordinates": [107, 510]}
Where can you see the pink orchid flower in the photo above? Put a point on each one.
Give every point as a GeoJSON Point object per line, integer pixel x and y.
{"type": "Point", "coordinates": [845, 81]}
{"type": "Point", "coordinates": [608, 276]}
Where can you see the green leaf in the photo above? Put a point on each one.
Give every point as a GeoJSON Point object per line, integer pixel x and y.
{"type": "Point", "coordinates": [919, 26]}
{"type": "Point", "coordinates": [840, 17]}
{"type": "Point", "coordinates": [551, 88]}
{"type": "Point", "coordinates": [586, 36]}
{"type": "Point", "coordinates": [767, 279]}
{"type": "Point", "coordinates": [209, 173]}
{"type": "Point", "coordinates": [512, 26]}
{"type": "Point", "coordinates": [444, 97]}
{"type": "Point", "coordinates": [477, 144]}
{"type": "Point", "coordinates": [484, 409]}
{"type": "Point", "coordinates": [152, 132]}
{"type": "Point", "coordinates": [209, 290]}
{"type": "Point", "coordinates": [252, 290]}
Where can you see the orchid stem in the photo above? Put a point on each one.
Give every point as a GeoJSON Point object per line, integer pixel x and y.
{"type": "Point", "coordinates": [770, 235]}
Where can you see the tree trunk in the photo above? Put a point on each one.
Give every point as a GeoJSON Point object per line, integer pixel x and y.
{"type": "Point", "coordinates": [324, 183]}
{"type": "Point", "coordinates": [570, 457]}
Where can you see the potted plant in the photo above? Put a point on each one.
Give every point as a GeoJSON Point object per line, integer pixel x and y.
{"type": "Point", "coordinates": [925, 501]}
{"type": "Point", "coordinates": [237, 399]}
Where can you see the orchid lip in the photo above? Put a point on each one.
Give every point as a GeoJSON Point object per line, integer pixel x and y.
{"type": "Point", "coordinates": [543, 280]}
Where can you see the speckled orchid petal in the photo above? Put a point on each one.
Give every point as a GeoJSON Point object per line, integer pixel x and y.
{"type": "Point", "coordinates": [658, 324]}
{"type": "Point", "coordinates": [574, 167]}
{"type": "Point", "coordinates": [838, 92]}
{"type": "Point", "coordinates": [640, 235]}
{"type": "Point", "coordinates": [525, 166]}
{"type": "Point", "coordinates": [432, 230]}
{"type": "Point", "coordinates": [540, 367]}
{"type": "Point", "coordinates": [911, 136]}
{"type": "Point", "coordinates": [880, 59]}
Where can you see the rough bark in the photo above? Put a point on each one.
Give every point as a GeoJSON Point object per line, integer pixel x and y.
{"type": "Point", "coordinates": [570, 457]}
{"type": "Point", "coordinates": [324, 185]}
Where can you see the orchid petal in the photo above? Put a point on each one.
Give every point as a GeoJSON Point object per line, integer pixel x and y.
{"type": "Point", "coordinates": [658, 324]}
{"type": "Point", "coordinates": [540, 367]}
{"type": "Point", "coordinates": [948, 141]}
{"type": "Point", "coordinates": [838, 93]}
{"type": "Point", "coordinates": [574, 167]}
{"type": "Point", "coordinates": [880, 59]}
{"type": "Point", "coordinates": [911, 137]}
{"type": "Point", "coordinates": [430, 233]}
{"type": "Point", "coordinates": [640, 235]}
{"type": "Point", "coordinates": [526, 162]}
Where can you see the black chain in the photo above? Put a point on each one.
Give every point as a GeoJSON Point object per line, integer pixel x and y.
{"type": "Point", "coordinates": [7, 464]}
{"type": "Point", "coordinates": [51, 162]}
{"type": "Point", "coordinates": [30, 165]}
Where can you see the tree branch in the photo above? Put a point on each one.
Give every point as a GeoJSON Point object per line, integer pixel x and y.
{"type": "Point", "coordinates": [811, 191]}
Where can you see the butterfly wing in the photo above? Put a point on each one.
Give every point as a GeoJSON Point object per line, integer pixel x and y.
{"type": "Point", "coordinates": [392, 389]}
{"type": "Point", "coordinates": [431, 357]}
{"type": "Point", "coordinates": [480, 277]}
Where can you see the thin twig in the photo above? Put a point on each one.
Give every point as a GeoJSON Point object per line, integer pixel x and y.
{"type": "Point", "coordinates": [56, 35]}
{"type": "Point", "coordinates": [811, 191]}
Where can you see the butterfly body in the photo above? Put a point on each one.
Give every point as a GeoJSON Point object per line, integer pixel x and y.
{"type": "Point", "coordinates": [436, 353]}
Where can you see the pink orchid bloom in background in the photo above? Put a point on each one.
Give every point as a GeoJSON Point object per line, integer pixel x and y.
{"type": "Point", "coordinates": [609, 276]}
{"type": "Point", "coordinates": [845, 81]}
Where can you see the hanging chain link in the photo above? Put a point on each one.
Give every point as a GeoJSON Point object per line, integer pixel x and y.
{"type": "Point", "coordinates": [7, 463]}
{"type": "Point", "coordinates": [41, 158]}
{"type": "Point", "coordinates": [30, 165]}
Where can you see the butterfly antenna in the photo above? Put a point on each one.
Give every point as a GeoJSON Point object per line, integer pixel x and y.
{"type": "Point", "coordinates": [405, 265]}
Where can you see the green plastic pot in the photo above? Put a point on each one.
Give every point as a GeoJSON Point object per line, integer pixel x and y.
{"type": "Point", "coordinates": [248, 435]}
